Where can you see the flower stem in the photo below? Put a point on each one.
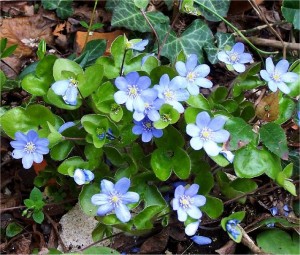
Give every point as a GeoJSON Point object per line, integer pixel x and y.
{"type": "Point", "coordinates": [123, 61]}
{"type": "Point", "coordinates": [235, 29]}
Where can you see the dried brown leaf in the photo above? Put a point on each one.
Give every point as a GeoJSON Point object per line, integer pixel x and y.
{"type": "Point", "coordinates": [156, 243]}
{"type": "Point", "coordinates": [228, 248]}
{"type": "Point", "coordinates": [268, 108]}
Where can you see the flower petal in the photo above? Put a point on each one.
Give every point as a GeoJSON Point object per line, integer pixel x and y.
{"type": "Point", "coordinates": [107, 187]}
{"type": "Point", "coordinates": [194, 212]}
{"type": "Point", "coordinates": [239, 67]}
{"type": "Point", "coordinates": [282, 66]}
{"type": "Point", "coordinates": [100, 199]}
{"type": "Point", "coordinates": [144, 82]}
{"type": "Point", "coordinates": [120, 97]}
{"type": "Point", "coordinates": [104, 209]}
{"type": "Point", "coordinates": [132, 78]}
{"type": "Point", "coordinates": [272, 85]}
{"type": "Point", "coordinates": [269, 65]}
{"type": "Point", "coordinates": [238, 48]}
{"type": "Point", "coordinates": [289, 77]}
{"type": "Point", "coordinates": [138, 116]}
{"type": "Point", "coordinates": [153, 115]}
{"type": "Point", "coordinates": [196, 143]}
{"type": "Point", "coordinates": [60, 87]}
{"type": "Point", "coordinates": [175, 204]}
{"type": "Point", "coordinates": [217, 123]}
{"type": "Point", "coordinates": [202, 70]}
{"type": "Point", "coordinates": [177, 83]}
{"type": "Point", "coordinates": [130, 197]}
{"type": "Point", "coordinates": [146, 136]}
{"type": "Point", "coordinates": [89, 175]}
{"type": "Point", "coordinates": [180, 68]}
{"type": "Point", "coordinates": [122, 185]}
{"type": "Point", "coordinates": [182, 95]}
{"type": "Point", "coordinates": [283, 87]}
{"type": "Point", "coordinates": [32, 136]}
{"type": "Point", "coordinates": [192, 228]}
{"type": "Point", "coordinates": [44, 142]}
{"type": "Point", "coordinates": [27, 160]}
{"type": "Point", "coordinates": [17, 154]}
{"type": "Point", "coordinates": [191, 62]}
{"type": "Point", "coordinates": [182, 215]}
{"type": "Point", "coordinates": [129, 104]}
{"type": "Point", "coordinates": [42, 150]}
{"type": "Point", "coordinates": [179, 191]}
{"type": "Point", "coordinates": [164, 80]}
{"type": "Point", "coordinates": [65, 126]}
{"type": "Point", "coordinates": [193, 89]}
{"type": "Point", "coordinates": [202, 119]}
{"type": "Point", "coordinates": [71, 95]}
{"type": "Point", "coordinates": [20, 136]}
{"type": "Point", "coordinates": [122, 213]}
{"type": "Point", "coordinates": [121, 83]}
{"type": "Point", "coordinates": [220, 136]}
{"type": "Point", "coordinates": [18, 144]}
{"type": "Point", "coordinates": [192, 130]}
{"type": "Point", "coordinates": [199, 200]}
{"type": "Point", "coordinates": [137, 130]}
{"type": "Point", "coordinates": [37, 158]}
{"type": "Point", "coordinates": [201, 240]}
{"type": "Point", "coordinates": [211, 148]}
{"type": "Point", "coordinates": [192, 190]}
{"type": "Point", "coordinates": [203, 82]}
{"type": "Point", "coordinates": [223, 56]}
{"type": "Point", "coordinates": [265, 75]}
{"type": "Point", "coordinates": [79, 176]}
{"type": "Point", "coordinates": [245, 58]}
{"type": "Point", "coordinates": [177, 106]}
{"type": "Point", "coordinates": [157, 133]}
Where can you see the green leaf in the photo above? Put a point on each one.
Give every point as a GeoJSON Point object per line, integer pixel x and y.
{"type": "Point", "coordinates": [273, 137]}
{"type": "Point", "coordinates": [199, 102]}
{"type": "Point", "coordinates": [63, 7]}
{"type": "Point", "coordinates": [295, 86]}
{"type": "Point", "coordinates": [142, 4]}
{"type": "Point", "coordinates": [220, 160]}
{"type": "Point", "coordinates": [2, 80]}
{"type": "Point", "coordinates": [276, 241]}
{"type": "Point", "coordinates": [240, 132]}
{"type": "Point", "coordinates": [85, 199]}
{"type": "Point", "coordinates": [205, 180]}
{"type": "Point", "coordinates": [250, 162]}
{"type": "Point", "coordinates": [3, 43]}
{"type": "Point", "coordinates": [286, 110]}
{"type": "Point", "coordinates": [36, 195]}
{"type": "Point", "coordinates": [38, 216]}
{"type": "Point", "coordinates": [150, 63]}
{"type": "Point", "coordinates": [100, 250]}
{"type": "Point", "coordinates": [69, 165]}
{"type": "Point", "coordinates": [13, 229]}
{"type": "Point", "coordinates": [213, 207]}
{"type": "Point", "coordinates": [8, 51]}
{"type": "Point", "coordinates": [161, 163]}
{"type": "Point", "coordinates": [168, 115]}
{"type": "Point", "coordinates": [20, 119]}
{"type": "Point", "coordinates": [220, 7]}
{"type": "Point", "coordinates": [61, 150]}
{"type": "Point", "coordinates": [95, 48]}
{"type": "Point", "coordinates": [290, 187]}
{"type": "Point", "coordinates": [291, 13]}
{"type": "Point", "coordinates": [58, 101]}
{"type": "Point", "coordinates": [63, 64]}
{"type": "Point", "coordinates": [191, 41]}
{"type": "Point", "coordinates": [127, 15]}
{"type": "Point", "coordinates": [288, 170]}
{"type": "Point", "coordinates": [172, 137]}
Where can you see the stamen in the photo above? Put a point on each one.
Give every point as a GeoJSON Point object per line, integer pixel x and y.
{"type": "Point", "coordinates": [133, 91]}
{"type": "Point", "coordinates": [276, 76]}
{"type": "Point", "coordinates": [30, 147]}
{"type": "Point", "coordinates": [115, 199]}
{"type": "Point", "coordinates": [147, 125]}
{"type": "Point", "coordinates": [191, 76]}
{"type": "Point", "coordinates": [185, 201]}
{"type": "Point", "coordinates": [234, 57]}
{"type": "Point", "coordinates": [169, 95]}
{"type": "Point", "coordinates": [206, 134]}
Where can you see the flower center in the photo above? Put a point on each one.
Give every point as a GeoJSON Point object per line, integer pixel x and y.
{"type": "Point", "coordinates": [147, 106]}
{"type": "Point", "coordinates": [191, 76]}
{"type": "Point", "coordinates": [133, 91]}
{"type": "Point", "coordinates": [129, 45]}
{"type": "Point", "coordinates": [115, 199]}
{"type": "Point", "coordinates": [234, 57]}
{"type": "Point", "coordinates": [29, 147]}
{"type": "Point", "coordinates": [206, 134]}
{"type": "Point", "coordinates": [147, 125]}
{"type": "Point", "coordinates": [169, 95]}
{"type": "Point", "coordinates": [276, 76]}
{"type": "Point", "coordinates": [185, 201]}
{"type": "Point", "coordinates": [73, 82]}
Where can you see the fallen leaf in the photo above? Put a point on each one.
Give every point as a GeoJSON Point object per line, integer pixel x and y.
{"type": "Point", "coordinates": [268, 108]}
{"type": "Point", "coordinates": [228, 248]}
{"type": "Point", "coordinates": [26, 32]}
{"type": "Point", "coordinates": [156, 243]}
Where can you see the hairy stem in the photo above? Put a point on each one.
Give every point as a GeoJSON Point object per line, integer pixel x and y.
{"type": "Point", "coordinates": [90, 25]}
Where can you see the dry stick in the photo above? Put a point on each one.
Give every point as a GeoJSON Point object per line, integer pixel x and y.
{"type": "Point", "coordinates": [246, 240]}
{"type": "Point", "coordinates": [272, 43]}
{"type": "Point", "coordinates": [152, 28]}
{"type": "Point", "coordinates": [258, 28]}
{"type": "Point", "coordinates": [54, 225]}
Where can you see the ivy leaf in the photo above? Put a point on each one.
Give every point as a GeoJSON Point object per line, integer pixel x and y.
{"type": "Point", "coordinates": [220, 7]}
{"type": "Point", "coordinates": [273, 137]}
{"type": "Point", "coordinates": [127, 15]}
{"type": "Point", "coordinates": [191, 41]}
{"type": "Point", "coordinates": [63, 7]}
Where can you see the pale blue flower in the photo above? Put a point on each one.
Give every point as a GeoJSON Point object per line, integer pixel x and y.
{"type": "Point", "coordinates": [137, 44]}
{"type": "Point", "coordinates": [146, 129]}
{"type": "Point", "coordinates": [30, 148]}
{"type": "Point", "coordinates": [236, 57]}
{"type": "Point", "coordinates": [277, 76]}
{"type": "Point", "coordinates": [152, 106]}
{"type": "Point", "coordinates": [228, 155]}
{"type": "Point", "coordinates": [132, 90]}
{"type": "Point", "coordinates": [187, 201]}
{"type": "Point", "coordinates": [82, 176]}
{"type": "Point", "coordinates": [201, 240]}
{"type": "Point", "coordinates": [115, 197]}
{"type": "Point", "coordinates": [109, 135]}
{"type": "Point", "coordinates": [65, 126]}
{"type": "Point", "coordinates": [286, 210]}
{"type": "Point", "coordinates": [172, 92]}
{"type": "Point", "coordinates": [207, 133]}
{"type": "Point", "coordinates": [274, 211]}
{"type": "Point", "coordinates": [233, 229]}
{"type": "Point", "coordinates": [67, 89]}
{"type": "Point", "coordinates": [193, 74]}
{"type": "Point", "coordinates": [192, 228]}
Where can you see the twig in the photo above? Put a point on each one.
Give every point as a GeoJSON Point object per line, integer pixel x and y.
{"type": "Point", "coordinates": [258, 28]}
{"type": "Point", "coordinates": [272, 43]}
{"type": "Point", "coordinates": [54, 225]}
{"type": "Point", "coordinates": [262, 93]}
{"type": "Point", "coordinates": [246, 240]}
{"type": "Point", "coordinates": [152, 28]}
{"type": "Point", "coordinates": [99, 241]}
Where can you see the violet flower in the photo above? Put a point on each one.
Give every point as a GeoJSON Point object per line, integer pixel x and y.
{"type": "Point", "coordinates": [187, 201]}
{"type": "Point", "coordinates": [207, 133]}
{"type": "Point", "coordinates": [233, 229]}
{"type": "Point", "coordinates": [201, 240]}
{"type": "Point", "coordinates": [115, 197]}
{"type": "Point", "coordinates": [67, 89]}
{"type": "Point", "coordinates": [277, 76]}
{"type": "Point", "coordinates": [146, 129]}
{"type": "Point", "coordinates": [30, 148]}
{"type": "Point", "coordinates": [137, 44]}
{"type": "Point", "coordinates": [65, 126]}
{"type": "Point", "coordinates": [82, 176]}
{"type": "Point", "coordinates": [194, 74]}
{"type": "Point", "coordinates": [236, 57]}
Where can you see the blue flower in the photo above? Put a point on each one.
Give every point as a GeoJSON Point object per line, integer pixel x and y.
{"type": "Point", "coordinates": [286, 210]}
{"type": "Point", "coordinates": [228, 155]}
{"type": "Point", "coordinates": [132, 90]}
{"type": "Point", "coordinates": [82, 176]}
{"type": "Point", "coordinates": [194, 75]}
{"type": "Point", "coordinates": [152, 105]}
{"type": "Point", "coordinates": [236, 57]}
{"type": "Point", "coordinates": [146, 129]}
{"type": "Point", "coordinates": [65, 126]}
{"type": "Point", "coordinates": [29, 147]}
{"type": "Point", "coordinates": [278, 75]}
{"type": "Point", "coordinates": [233, 229]}
{"type": "Point", "coordinates": [67, 89]}
{"type": "Point", "coordinates": [172, 92]}
{"type": "Point", "coordinates": [186, 202]}
{"type": "Point", "coordinates": [192, 228]}
{"type": "Point", "coordinates": [207, 133]}
{"type": "Point", "coordinates": [115, 197]}
{"type": "Point", "coordinates": [109, 135]}
{"type": "Point", "coordinates": [201, 240]}
{"type": "Point", "coordinates": [274, 211]}
{"type": "Point", "coordinates": [137, 44]}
